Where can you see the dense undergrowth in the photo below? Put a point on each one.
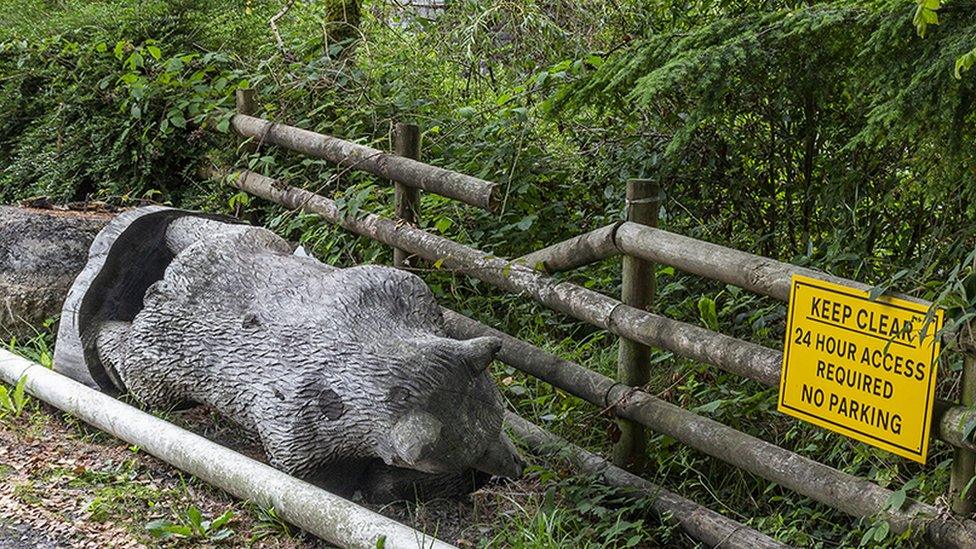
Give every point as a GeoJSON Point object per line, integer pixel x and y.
{"type": "Point", "coordinates": [823, 134]}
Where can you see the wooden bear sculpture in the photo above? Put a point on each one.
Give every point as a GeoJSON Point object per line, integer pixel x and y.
{"type": "Point", "coordinates": [345, 375]}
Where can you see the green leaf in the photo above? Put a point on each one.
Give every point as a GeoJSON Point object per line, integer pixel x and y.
{"type": "Point", "coordinates": [526, 222]}
{"type": "Point", "coordinates": [20, 398]}
{"type": "Point", "coordinates": [221, 534]}
{"type": "Point", "coordinates": [867, 536]}
{"type": "Point", "coordinates": [135, 111]}
{"type": "Point", "coordinates": [5, 402]}
{"type": "Point", "coordinates": [706, 309]}
{"type": "Point", "coordinates": [154, 52]}
{"type": "Point", "coordinates": [195, 517]}
{"type": "Point", "coordinates": [925, 15]}
{"type": "Point", "coordinates": [710, 407]}
{"type": "Point", "coordinates": [881, 532]}
{"type": "Point", "coordinates": [965, 62]}
{"type": "Point", "coordinates": [177, 119]}
{"type": "Point", "coordinates": [164, 529]}
{"type": "Point", "coordinates": [223, 125]}
{"type": "Point", "coordinates": [443, 224]}
{"type": "Point", "coordinates": [381, 542]}
{"type": "Point", "coordinates": [222, 519]}
{"type": "Point", "coordinates": [897, 499]}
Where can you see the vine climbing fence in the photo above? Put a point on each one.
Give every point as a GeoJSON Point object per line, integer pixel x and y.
{"type": "Point", "coordinates": [642, 246]}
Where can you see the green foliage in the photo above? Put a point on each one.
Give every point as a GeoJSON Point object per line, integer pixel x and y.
{"type": "Point", "coordinates": [110, 112]}
{"type": "Point", "coordinates": [706, 309]}
{"type": "Point", "coordinates": [581, 512]}
{"type": "Point", "coordinates": [193, 526]}
{"type": "Point", "coordinates": [13, 402]}
{"type": "Point", "coordinates": [268, 523]}
{"type": "Point", "coordinates": [965, 62]}
{"type": "Point", "coordinates": [926, 14]}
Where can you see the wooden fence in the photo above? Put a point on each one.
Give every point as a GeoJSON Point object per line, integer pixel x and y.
{"type": "Point", "coordinates": [642, 245]}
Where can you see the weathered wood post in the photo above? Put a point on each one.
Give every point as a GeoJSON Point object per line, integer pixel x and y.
{"type": "Point", "coordinates": [963, 460]}
{"type": "Point", "coordinates": [637, 290]}
{"type": "Point", "coordinates": [247, 104]}
{"type": "Point", "coordinates": [407, 199]}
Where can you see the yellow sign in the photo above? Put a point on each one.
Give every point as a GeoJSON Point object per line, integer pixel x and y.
{"type": "Point", "coordinates": [859, 366]}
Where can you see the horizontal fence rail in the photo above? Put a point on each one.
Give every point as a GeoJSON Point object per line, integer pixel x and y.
{"type": "Point", "coordinates": [465, 188]}
{"type": "Point", "coordinates": [587, 248]}
{"type": "Point", "coordinates": [823, 483]}
{"type": "Point", "coordinates": [752, 272]}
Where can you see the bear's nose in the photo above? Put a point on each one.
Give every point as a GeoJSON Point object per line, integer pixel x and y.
{"type": "Point", "coordinates": [501, 459]}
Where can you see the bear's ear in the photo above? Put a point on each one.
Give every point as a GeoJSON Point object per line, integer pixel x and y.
{"type": "Point", "coordinates": [477, 353]}
{"type": "Point", "coordinates": [412, 439]}
{"type": "Point", "coordinates": [472, 356]}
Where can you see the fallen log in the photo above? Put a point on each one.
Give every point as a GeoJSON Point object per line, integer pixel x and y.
{"type": "Point", "coordinates": [41, 251]}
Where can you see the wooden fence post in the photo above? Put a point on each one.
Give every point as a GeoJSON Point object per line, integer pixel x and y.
{"type": "Point", "coordinates": [963, 460]}
{"type": "Point", "coordinates": [637, 290]}
{"type": "Point", "coordinates": [247, 104]}
{"type": "Point", "coordinates": [407, 199]}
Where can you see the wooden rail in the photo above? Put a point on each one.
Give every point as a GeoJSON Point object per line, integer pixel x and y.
{"type": "Point", "coordinates": [467, 189]}
{"type": "Point", "coordinates": [528, 276]}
